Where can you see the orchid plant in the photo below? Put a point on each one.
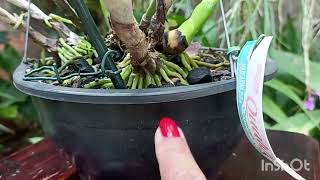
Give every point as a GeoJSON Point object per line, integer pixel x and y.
{"type": "Point", "coordinates": [153, 54]}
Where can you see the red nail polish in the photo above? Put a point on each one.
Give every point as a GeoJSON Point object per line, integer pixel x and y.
{"type": "Point", "coordinates": [168, 127]}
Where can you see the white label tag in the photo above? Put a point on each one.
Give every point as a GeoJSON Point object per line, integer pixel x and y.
{"type": "Point", "coordinates": [250, 78]}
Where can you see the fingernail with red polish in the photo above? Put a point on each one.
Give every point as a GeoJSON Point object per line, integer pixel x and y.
{"type": "Point", "coordinates": [168, 127]}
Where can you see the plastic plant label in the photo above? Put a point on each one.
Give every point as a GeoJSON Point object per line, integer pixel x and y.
{"type": "Point", "coordinates": [250, 78]}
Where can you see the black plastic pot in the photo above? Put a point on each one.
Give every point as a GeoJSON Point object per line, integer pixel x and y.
{"type": "Point", "coordinates": [109, 133]}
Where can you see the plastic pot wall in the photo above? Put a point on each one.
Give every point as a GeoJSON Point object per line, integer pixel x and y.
{"type": "Point", "coordinates": [109, 134]}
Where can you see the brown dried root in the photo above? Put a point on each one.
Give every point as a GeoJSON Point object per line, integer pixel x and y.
{"type": "Point", "coordinates": [156, 28]}
{"type": "Point", "coordinates": [143, 56]}
{"type": "Point", "coordinates": [147, 16]}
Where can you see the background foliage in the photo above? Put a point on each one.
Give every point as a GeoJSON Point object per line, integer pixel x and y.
{"type": "Point", "coordinates": [17, 115]}
{"type": "Point", "coordinates": [295, 26]}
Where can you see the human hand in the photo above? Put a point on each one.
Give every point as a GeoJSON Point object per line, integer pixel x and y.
{"type": "Point", "coordinates": [174, 156]}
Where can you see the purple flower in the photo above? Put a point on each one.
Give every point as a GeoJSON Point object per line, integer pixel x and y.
{"type": "Point", "coordinates": [310, 103]}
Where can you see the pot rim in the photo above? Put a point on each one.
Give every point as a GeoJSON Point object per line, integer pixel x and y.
{"type": "Point", "coordinates": [126, 96]}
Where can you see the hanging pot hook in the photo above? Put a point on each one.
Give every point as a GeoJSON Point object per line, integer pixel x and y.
{"type": "Point", "coordinates": [233, 51]}
{"type": "Point", "coordinates": [26, 40]}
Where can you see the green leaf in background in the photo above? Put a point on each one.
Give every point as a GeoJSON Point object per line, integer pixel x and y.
{"type": "Point", "coordinates": [286, 91]}
{"type": "Point", "coordinates": [92, 4]}
{"type": "Point", "coordinates": [299, 123]}
{"type": "Point", "coordinates": [208, 35]}
{"type": "Point", "coordinates": [184, 6]}
{"type": "Point", "coordinates": [9, 59]}
{"type": "Point", "coordinates": [138, 14]}
{"type": "Point", "coordinates": [290, 37]}
{"type": "Point", "coordinates": [13, 102]}
{"type": "Point", "coordinates": [273, 110]}
{"type": "Point", "coordinates": [10, 93]}
{"type": "Point", "coordinates": [5, 103]}
{"type": "Point", "coordinates": [294, 65]}
{"type": "Point", "coordinates": [267, 19]}
{"type": "Point", "coordinates": [27, 110]}
{"type": "Point", "coordinates": [175, 20]}
{"type": "Point", "coordinates": [10, 98]}
{"type": "Point", "coordinates": [296, 85]}
{"type": "Point", "coordinates": [6, 130]}
{"type": "Point", "coordinates": [315, 52]}
{"type": "Point", "coordinates": [9, 112]}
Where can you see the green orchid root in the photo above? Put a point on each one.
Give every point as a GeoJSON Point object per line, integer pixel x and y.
{"type": "Point", "coordinates": [146, 64]}
{"type": "Point", "coordinates": [169, 73]}
{"type": "Point", "coordinates": [68, 53]}
{"type": "Point", "coordinates": [176, 41]}
{"type": "Point", "coordinates": [165, 75]}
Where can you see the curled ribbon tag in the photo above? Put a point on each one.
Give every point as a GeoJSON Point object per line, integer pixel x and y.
{"type": "Point", "coordinates": [250, 78]}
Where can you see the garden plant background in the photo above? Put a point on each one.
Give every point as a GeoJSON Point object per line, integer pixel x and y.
{"type": "Point", "coordinates": [291, 101]}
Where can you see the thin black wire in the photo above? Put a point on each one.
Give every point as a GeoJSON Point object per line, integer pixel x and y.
{"type": "Point", "coordinates": [96, 38]}
{"type": "Point", "coordinates": [103, 72]}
